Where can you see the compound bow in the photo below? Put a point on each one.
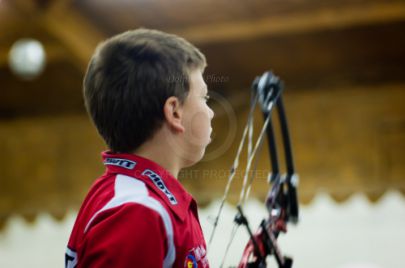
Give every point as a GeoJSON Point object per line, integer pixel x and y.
{"type": "Point", "coordinates": [281, 201]}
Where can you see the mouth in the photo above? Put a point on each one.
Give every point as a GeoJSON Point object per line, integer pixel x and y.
{"type": "Point", "coordinates": [210, 137]}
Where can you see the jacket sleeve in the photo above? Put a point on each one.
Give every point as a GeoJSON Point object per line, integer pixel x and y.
{"type": "Point", "coordinates": [130, 235]}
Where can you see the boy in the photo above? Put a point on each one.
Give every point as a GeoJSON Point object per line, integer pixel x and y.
{"type": "Point", "coordinates": [146, 96]}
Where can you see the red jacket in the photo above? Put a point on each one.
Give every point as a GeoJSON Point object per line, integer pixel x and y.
{"type": "Point", "coordinates": [136, 215]}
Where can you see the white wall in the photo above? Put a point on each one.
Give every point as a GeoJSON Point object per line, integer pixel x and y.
{"type": "Point", "coordinates": [355, 234]}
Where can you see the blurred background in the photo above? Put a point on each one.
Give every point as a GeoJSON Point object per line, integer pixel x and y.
{"type": "Point", "coordinates": [343, 64]}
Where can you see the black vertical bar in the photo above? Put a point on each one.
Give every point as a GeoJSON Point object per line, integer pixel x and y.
{"type": "Point", "coordinates": [293, 205]}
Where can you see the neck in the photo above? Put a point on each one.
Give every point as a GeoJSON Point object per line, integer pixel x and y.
{"type": "Point", "coordinates": [159, 151]}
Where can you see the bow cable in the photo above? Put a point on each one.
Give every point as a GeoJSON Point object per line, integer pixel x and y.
{"type": "Point", "coordinates": [233, 169]}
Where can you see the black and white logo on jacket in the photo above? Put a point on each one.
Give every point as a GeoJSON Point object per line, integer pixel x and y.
{"type": "Point", "coordinates": [157, 180]}
{"type": "Point", "coordinates": [124, 163]}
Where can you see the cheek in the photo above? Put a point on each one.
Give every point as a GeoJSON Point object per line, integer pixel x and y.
{"type": "Point", "coordinates": [199, 127]}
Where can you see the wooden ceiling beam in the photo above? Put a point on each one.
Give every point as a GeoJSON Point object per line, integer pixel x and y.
{"type": "Point", "coordinates": [78, 35]}
{"type": "Point", "coordinates": [317, 20]}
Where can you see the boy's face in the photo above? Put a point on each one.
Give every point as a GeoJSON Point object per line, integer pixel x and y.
{"type": "Point", "coordinates": [197, 117]}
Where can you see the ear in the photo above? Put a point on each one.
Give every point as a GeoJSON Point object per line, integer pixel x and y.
{"type": "Point", "coordinates": [173, 112]}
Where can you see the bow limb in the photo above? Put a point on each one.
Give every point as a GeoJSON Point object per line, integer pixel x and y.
{"type": "Point", "coordinates": [291, 177]}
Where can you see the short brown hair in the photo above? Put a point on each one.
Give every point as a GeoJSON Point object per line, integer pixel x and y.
{"type": "Point", "coordinates": [128, 80]}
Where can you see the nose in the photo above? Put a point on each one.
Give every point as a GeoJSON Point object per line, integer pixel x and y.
{"type": "Point", "coordinates": [211, 113]}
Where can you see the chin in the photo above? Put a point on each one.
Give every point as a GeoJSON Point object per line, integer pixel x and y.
{"type": "Point", "coordinates": [194, 158]}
